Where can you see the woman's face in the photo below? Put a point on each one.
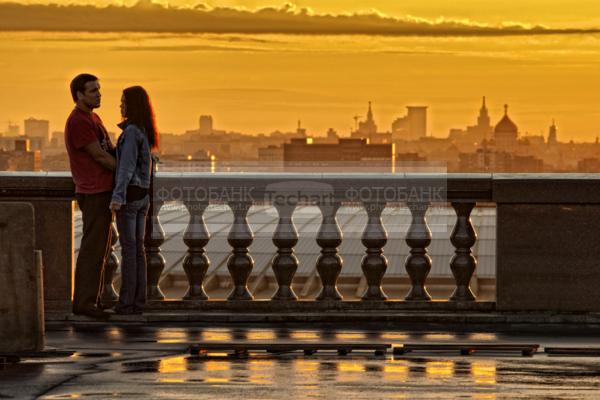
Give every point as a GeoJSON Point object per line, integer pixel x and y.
{"type": "Point", "coordinates": [123, 106]}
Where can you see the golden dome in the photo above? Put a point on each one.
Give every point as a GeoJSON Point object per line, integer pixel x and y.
{"type": "Point", "coordinates": [506, 124]}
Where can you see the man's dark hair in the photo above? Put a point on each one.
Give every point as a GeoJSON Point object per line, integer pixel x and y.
{"type": "Point", "coordinates": [78, 84]}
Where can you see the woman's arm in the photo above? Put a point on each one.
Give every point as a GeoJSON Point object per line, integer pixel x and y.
{"type": "Point", "coordinates": [128, 154]}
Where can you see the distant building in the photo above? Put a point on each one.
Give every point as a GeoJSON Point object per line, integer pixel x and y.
{"type": "Point", "coordinates": [489, 160]}
{"type": "Point", "coordinates": [533, 141]}
{"type": "Point", "coordinates": [300, 131]}
{"type": "Point", "coordinates": [506, 133]}
{"type": "Point", "coordinates": [21, 158]}
{"type": "Point", "coordinates": [22, 145]}
{"type": "Point", "coordinates": [366, 128]}
{"type": "Point", "coordinates": [270, 153]}
{"type": "Point", "coordinates": [483, 130]}
{"type": "Point", "coordinates": [37, 128]}
{"type": "Point", "coordinates": [13, 130]}
{"type": "Point", "coordinates": [332, 134]}
{"type": "Point", "coordinates": [410, 157]}
{"type": "Point", "coordinates": [345, 155]}
{"type": "Point", "coordinates": [413, 126]}
{"type": "Point", "coordinates": [552, 139]}
{"type": "Point", "coordinates": [205, 125]}
{"type": "Point", "coordinates": [474, 135]}
{"type": "Point", "coordinates": [588, 165]}
{"type": "Point", "coordinates": [58, 139]}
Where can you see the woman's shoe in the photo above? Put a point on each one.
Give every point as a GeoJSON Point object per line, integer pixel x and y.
{"type": "Point", "coordinates": [128, 311]}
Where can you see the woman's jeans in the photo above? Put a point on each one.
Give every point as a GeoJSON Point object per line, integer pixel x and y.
{"type": "Point", "coordinates": [131, 224]}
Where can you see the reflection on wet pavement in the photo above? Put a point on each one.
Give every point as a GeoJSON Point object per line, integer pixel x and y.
{"type": "Point", "coordinates": [132, 362]}
{"type": "Point", "coordinates": [297, 376]}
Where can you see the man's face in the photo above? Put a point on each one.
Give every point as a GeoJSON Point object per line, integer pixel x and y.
{"type": "Point", "coordinates": [91, 95]}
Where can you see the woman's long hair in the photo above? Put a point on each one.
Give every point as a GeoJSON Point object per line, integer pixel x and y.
{"type": "Point", "coordinates": [138, 111]}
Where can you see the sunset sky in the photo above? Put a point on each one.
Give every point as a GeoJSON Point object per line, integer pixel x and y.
{"type": "Point", "coordinates": [258, 69]}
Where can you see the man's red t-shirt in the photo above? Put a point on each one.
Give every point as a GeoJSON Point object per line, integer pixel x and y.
{"type": "Point", "coordinates": [82, 129]}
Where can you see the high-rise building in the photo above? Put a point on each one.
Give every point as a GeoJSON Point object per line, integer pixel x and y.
{"type": "Point", "coordinates": [37, 128]}
{"type": "Point", "coordinates": [206, 125]}
{"type": "Point", "coordinates": [483, 120]}
{"type": "Point", "coordinates": [367, 128]}
{"type": "Point", "coordinates": [552, 139]}
{"type": "Point", "coordinates": [413, 126]}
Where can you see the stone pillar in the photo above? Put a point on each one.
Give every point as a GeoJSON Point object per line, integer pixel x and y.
{"type": "Point", "coordinates": [418, 263]}
{"type": "Point", "coordinates": [154, 238]}
{"type": "Point", "coordinates": [196, 263]}
{"type": "Point", "coordinates": [21, 297]}
{"type": "Point", "coordinates": [463, 263]}
{"type": "Point", "coordinates": [285, 263]}
{"type": "Point", "coordinates": [109, 297]}
{"type": "Point", "coordinates": [54, 235]}
{"type": "Point", "coordinates": [374, 263]}
{"type": "Point", "coordinates": [240, 263]}
{"type": "Point", "coordinates": [548, 257]}
{"type": "Point", "coordinates": [547, 242]}
{"type": "Point", "coordinates": [329, 263]}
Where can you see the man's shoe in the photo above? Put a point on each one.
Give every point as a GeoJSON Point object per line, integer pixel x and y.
{"type": "Point", "coordinates": [92, 312]}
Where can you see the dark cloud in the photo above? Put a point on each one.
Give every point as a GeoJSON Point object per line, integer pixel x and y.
{"type": "Point", "coordinates": [146, 16]}
{"type": "Point", "coordinates": [185, 48]}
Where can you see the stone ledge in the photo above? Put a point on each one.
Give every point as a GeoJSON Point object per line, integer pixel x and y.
{"type": "Point", "coordinates": [311, 306]}
{"type": "Point", "coordinates": [401, 320]}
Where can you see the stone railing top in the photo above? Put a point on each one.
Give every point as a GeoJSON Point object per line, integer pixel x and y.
{"type": "Point", "coordinates": [484, 187]}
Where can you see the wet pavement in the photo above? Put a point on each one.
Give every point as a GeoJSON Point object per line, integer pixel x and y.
{"type": "Point", "coordinates": [154, 362]}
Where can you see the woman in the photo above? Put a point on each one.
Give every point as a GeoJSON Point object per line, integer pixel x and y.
{"type": "Point", "coordinates": [130, 197]}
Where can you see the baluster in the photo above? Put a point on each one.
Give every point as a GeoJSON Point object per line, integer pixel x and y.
{"type": "Point", "coordinates": [329, 263]}
{"type": "Point", "coordinates": [285, 263]}
{"type": "Point", "coordinates": [196, 263]}
{"type": "Point", "coordinates": [240, 263]}
{"type": "Point", "coordinates": [374, 263]}
{"type": "Point", "coordinates": [463, 263]}
{"type": "Point", "coordinates": [418, 263]}
{"type": "Point", "coordinates": [109, 296]}
{"type": "Point", "coordinates": [155, 237]}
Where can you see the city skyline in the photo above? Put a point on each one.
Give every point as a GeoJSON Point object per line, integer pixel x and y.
{"type": "Point", "coordinates": [357, 119]}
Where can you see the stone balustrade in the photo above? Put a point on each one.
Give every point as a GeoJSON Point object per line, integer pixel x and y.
{"type": "Point", "coordinates": [547, 246]}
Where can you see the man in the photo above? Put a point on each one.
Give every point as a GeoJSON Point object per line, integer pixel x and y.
{"type": "Point", "coordinates": [92, 166]}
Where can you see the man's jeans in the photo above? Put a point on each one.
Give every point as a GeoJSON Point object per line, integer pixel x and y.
{"type": "Point", "coordinates": [131, 224]}
{"type": "Point", "coordinates": [95, 243]}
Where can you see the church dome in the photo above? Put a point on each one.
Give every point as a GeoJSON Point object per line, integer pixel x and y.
{"type": "Point", "coordinates": [506, 124]}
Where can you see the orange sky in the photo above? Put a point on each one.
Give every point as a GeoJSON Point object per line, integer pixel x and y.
{"type": "Point", "coordinates": [555, 12]}
{"type": "Point", "coordinates": [258, 83]}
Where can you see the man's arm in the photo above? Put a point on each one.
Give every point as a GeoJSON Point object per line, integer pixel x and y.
{"type": "Point", "coordinates": [101, 156]}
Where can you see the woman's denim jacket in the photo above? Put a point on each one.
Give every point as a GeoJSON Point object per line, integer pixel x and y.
{"type": "Point", "coordinates": [133, 162]}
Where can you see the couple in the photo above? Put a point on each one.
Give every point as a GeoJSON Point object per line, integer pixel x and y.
{"type": "Point", "coordinates": [110, 181]}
